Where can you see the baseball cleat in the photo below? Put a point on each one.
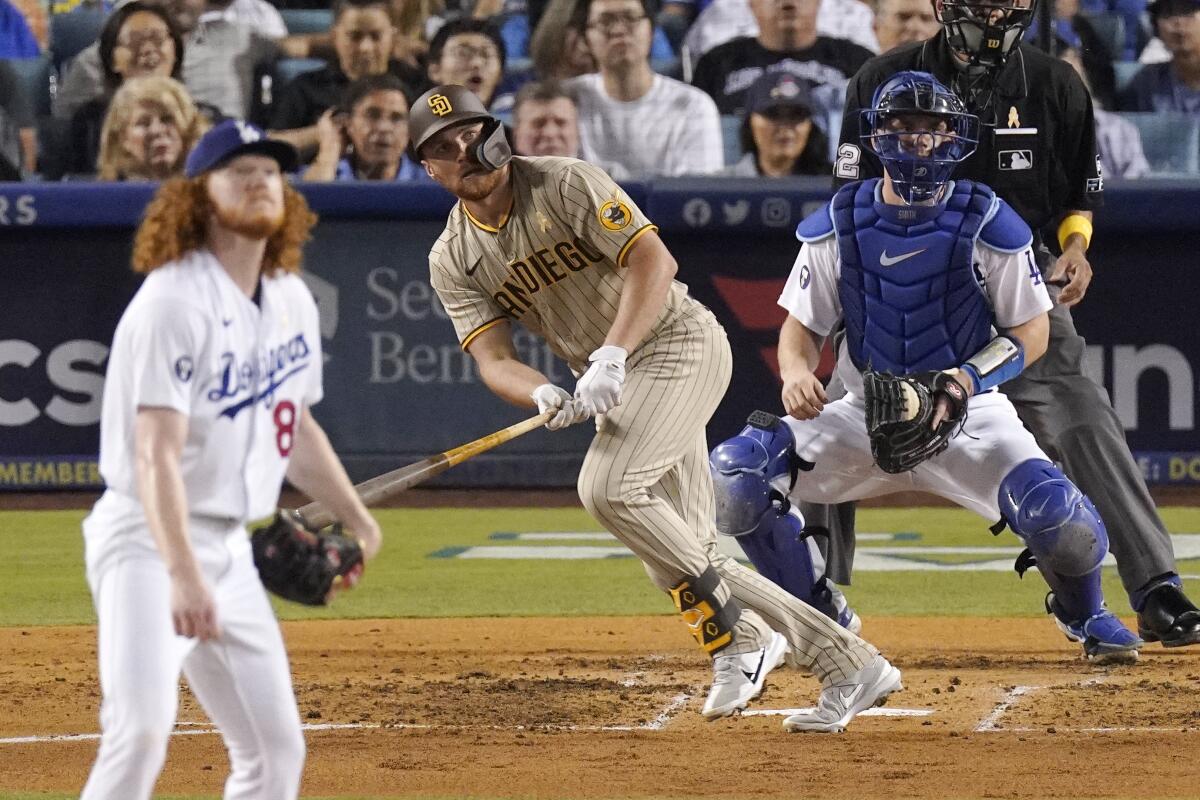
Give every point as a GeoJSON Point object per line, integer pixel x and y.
{"type": "Point", "coordinates": [839, 702]}
{"type": "Point", "coordinates": [1168, 616]}
{"type": "Point", "coordinates": [1105, 638]}
{"type": "Point", "coordinates": [739, 679]}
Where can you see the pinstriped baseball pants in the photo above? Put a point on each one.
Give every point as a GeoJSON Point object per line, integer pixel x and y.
{"type": "Point", "coordinates": [646, 478]}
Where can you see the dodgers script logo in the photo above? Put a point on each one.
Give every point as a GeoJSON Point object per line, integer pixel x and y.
{"type": "Point", "coordinates": [256, 380]}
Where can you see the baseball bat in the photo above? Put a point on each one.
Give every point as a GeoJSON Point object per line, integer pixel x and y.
{"type": "Point", "coordinates": [315, 516]}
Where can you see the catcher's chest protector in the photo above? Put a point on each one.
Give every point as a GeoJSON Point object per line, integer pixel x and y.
{"type": "Point", "coordinates": [910, 296]}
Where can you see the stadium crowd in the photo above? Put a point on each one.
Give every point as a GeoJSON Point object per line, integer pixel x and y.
{"type": "Point", "coordinates": [92, 90]}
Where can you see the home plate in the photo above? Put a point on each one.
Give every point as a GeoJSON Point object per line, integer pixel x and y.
{"type": "Point", "coordinates": [882, 711]}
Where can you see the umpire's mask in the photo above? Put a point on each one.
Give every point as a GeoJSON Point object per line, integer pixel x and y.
{"type": "Point", "coordinates": [986, 30]}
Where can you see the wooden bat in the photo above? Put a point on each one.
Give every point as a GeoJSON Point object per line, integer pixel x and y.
{"type": "Point", "coordinates": [315, 516]}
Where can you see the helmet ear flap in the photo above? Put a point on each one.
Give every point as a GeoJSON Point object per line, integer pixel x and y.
{"type": "Point", "coordinates": [491, 149]}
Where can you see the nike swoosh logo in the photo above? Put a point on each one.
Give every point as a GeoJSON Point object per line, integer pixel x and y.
{"type": "Point", "coordinates": [753, 676]}
{"type": "Point", "coordinates": [227, 322]}
{"type": "Point", "coordinates": [848, 699]}
{"type": "Point", "coordinates": [471, 269]}
{"type": "Point", "coordinates": [887, 261]}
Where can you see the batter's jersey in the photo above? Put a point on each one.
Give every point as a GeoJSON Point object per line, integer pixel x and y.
{"type": "Point", "coordinates": [553, 264]}
{"type": "Point", "coordinates": [241, 373]}
{"type": "Point", "coordinates": [1012, 281]}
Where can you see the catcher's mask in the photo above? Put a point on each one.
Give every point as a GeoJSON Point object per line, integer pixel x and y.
{"type": "Point", "coordinates": [920, 130]}
{"type": "Point", "coordinates": [986, 30]}
{"type": "Point", "coordinates": [450, 105]}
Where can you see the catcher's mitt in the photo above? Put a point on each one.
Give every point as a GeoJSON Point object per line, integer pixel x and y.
{"type": "Point", "coordinates": [305, 566]}
{"type": "Point", "coordinates": [900, 411]}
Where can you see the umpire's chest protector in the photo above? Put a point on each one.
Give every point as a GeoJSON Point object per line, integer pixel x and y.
{"type": "Point", "coordinates": [910, 295]}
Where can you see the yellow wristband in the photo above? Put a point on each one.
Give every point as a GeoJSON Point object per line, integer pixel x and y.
{"type": "Point", "coordinates": [1075, 223]}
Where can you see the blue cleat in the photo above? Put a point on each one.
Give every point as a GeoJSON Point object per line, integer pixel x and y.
{"type": "Point", "coordinates": [1105, 639]}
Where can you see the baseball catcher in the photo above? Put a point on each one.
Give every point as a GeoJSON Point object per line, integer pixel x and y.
{"type": "Point", "coordinates": [936, 285]}
{"type": "Point", "coordinates": [302, 565]}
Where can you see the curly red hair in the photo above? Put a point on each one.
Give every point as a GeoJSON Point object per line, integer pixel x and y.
{"type": "Point", "coordinates": [176, 223]}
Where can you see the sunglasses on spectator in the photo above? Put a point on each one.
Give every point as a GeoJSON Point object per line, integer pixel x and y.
{"type": "Point", "coordinates": [791, 114]}
{"type": "Point", "coordinates": [464, 52]}
{"type": "Point", "coordinates": [607, 23]}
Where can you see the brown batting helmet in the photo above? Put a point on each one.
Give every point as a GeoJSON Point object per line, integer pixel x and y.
{"type": "Point", "coordinates": [447, 105]}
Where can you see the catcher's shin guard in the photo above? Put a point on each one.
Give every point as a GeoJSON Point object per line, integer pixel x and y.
{"type": "Point", "coordinates": [1062, 530]}
{"type": "Point", "coordinates": [709, 620]}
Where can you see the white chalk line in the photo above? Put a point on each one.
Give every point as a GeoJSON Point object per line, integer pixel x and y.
{"type": "Point", "coordinates": [882, 711]}
{"type": "Point", "coordinates": [989, 723]}
{"type": "Point", "coordinates": [660, 721]}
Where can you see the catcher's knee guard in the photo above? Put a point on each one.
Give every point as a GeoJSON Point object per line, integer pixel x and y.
{"type": "Point", "coordinates": [710, 620]}
{"type": "Point", "coordinates": [1058, 524]}
{"type": "Point", "coordinates": [1062, 530]}
{"type": "Point", "coordinates": [768, 527]}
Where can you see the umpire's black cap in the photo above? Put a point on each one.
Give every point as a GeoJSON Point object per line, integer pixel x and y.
{"type": "Point", "coordinates": [441, 107]}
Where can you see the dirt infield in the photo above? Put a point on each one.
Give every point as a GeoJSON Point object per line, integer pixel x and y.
{"type": "Point", "coordinates": [607, 708]}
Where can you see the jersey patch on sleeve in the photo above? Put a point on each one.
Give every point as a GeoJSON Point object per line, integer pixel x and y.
{"type": "Point", "coordinates": [614, 215]}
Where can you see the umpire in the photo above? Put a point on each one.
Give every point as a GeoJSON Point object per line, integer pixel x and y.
{"type": "Point", "coordinates": [1037, 150]}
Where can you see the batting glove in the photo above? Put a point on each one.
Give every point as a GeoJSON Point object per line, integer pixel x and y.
{"type": "Point", "coordinates": [550, 398]}
{"type": "Point", "coordinates": [599, 390]}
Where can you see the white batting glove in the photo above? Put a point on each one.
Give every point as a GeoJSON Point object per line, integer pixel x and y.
{"type": "Point", "coordinates": [550, 397]}
{"type": "Point", "coordinates": [599, 390]}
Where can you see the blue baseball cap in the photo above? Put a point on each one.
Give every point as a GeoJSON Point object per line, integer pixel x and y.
{"type": "Point", "coordinates": [235, 137]}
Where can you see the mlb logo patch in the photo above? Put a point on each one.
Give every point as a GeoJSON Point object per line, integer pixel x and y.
{"type": "Point", "coordinates": [1015, 159]}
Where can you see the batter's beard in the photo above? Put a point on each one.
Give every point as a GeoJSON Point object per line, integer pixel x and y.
{"type": "Point", "coordinates": [480, 186]}
{"type": "Point", "coordinates": [250, 225]}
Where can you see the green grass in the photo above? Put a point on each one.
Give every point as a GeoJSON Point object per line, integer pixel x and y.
{"type": "Point", "coordinates": [46, 586]}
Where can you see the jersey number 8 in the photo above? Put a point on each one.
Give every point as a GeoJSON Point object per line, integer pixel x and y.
{"type": "Point", "coordinates": [285, 426]}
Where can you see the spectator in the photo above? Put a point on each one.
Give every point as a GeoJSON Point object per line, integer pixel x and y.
{"type": "Point", "coordinates": [366, 137]}
{"type": "Point", "coordinates": [257, 15]}
{"type": "Point", "coordinates": [1118, 141]}
{"type": "Point", "coordinates": [787, 41]}
{"type": "Point", "coordinates": [633, 122]}
{"type": "Point", "coordinates": [1175, 84]}
{"type": "Point", "coordinates": [16, 39]}
{"type": "Point", "coordinates": [778, 135]}
{"type": "Point", "coordinates": [152, 125]}
{"type": "Point", "coordinates": [559, 49]}
{"type": "Point", "coordinates": [724, 20]}
{"type": "Point", "coordinates": [469, 52]}
{"type": "Point", "coordinates": [137, 40]}
{"type": "Point", "coordinates": [223, 55]}
{"type": "Point", "coordinates": [34, 12]}
{"type": "Point", "coordinates": [545, 121]}
{"type": "Point", "coordinates": [362, 37]}
{"type": "Point", "coordinates": [900, 22]}
{"type": "Point", "coordinates": [18, 114]}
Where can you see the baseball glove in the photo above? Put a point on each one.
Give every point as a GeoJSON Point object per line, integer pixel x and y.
{"type": "Point", "coordinates": [900, 411]}
{"type": "Point", "coordinates": [305, 566]}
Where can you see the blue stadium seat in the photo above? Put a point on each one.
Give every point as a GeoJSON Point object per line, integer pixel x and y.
{"type": "Point", "coordinates": [1171, 141]}
{"type": "Point", "coordinates": [307, 20]}
{"type": "Point", "coordinates": [286, 69]}
{"type": "Point", "coordinates": [33, 74]}
{"type": "Point", "coordinates": [75, 30]}
{"type": "Point", "coordinates": [731, 135]}
{"type": "Point", "coordinates": [1125, 70]}
{"type": "Point", "coordinates": [1111, 30]}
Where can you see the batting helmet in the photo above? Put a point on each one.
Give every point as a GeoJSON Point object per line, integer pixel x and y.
{"type": "Point", "coordinates": [444, 106]}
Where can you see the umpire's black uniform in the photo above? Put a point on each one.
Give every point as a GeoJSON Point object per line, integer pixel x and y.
{"type": "Point", "coordinates": [1037, 150]}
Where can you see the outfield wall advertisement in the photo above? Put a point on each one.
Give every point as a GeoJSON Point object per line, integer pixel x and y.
{"type": "Point", "coordinates": [398, 387]}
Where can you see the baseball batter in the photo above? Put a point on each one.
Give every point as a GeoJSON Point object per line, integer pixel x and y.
{"type": "Point", "coordinates": [556, 245]}
{"type": "Point", "coordinates": [213, 368]}
{"type": "Point", "coordinates": [923, 271]}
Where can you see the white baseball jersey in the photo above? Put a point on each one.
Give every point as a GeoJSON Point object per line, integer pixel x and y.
{"type": "Point", "coordinates": [1013, 283]}
{"type": "Point", "coordinates": [242, 373]}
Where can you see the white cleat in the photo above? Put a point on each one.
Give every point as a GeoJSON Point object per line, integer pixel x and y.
{"type": "Point", "coordinates": [867, 688]}
{"type": "Point", "coordinates": [739, 679]}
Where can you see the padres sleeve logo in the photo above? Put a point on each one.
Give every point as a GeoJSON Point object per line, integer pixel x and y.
{"type": "Point", "coordinates": [614, 215]}
{"type": "Point", "coordinates": [439, 104]}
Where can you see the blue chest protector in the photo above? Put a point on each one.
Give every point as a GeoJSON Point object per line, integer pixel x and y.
{"type": "Point", "coordinates": [910, 296]}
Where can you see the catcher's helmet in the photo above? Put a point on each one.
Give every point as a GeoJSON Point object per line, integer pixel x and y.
{"type": "Point", "coordinates": [447, 105]}
{"type": "Point", "coordinates": [986, 30]}
{"type": "Point", "coordinates": [919, 159]}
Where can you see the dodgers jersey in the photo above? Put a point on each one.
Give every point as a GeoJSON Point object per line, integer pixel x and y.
{"type": "Point", "coordinates": [1011, 281]}
{"type": "Point", "coordinates": [241, 373]}
{"type": "Point", "coordinates": [554, 264]}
